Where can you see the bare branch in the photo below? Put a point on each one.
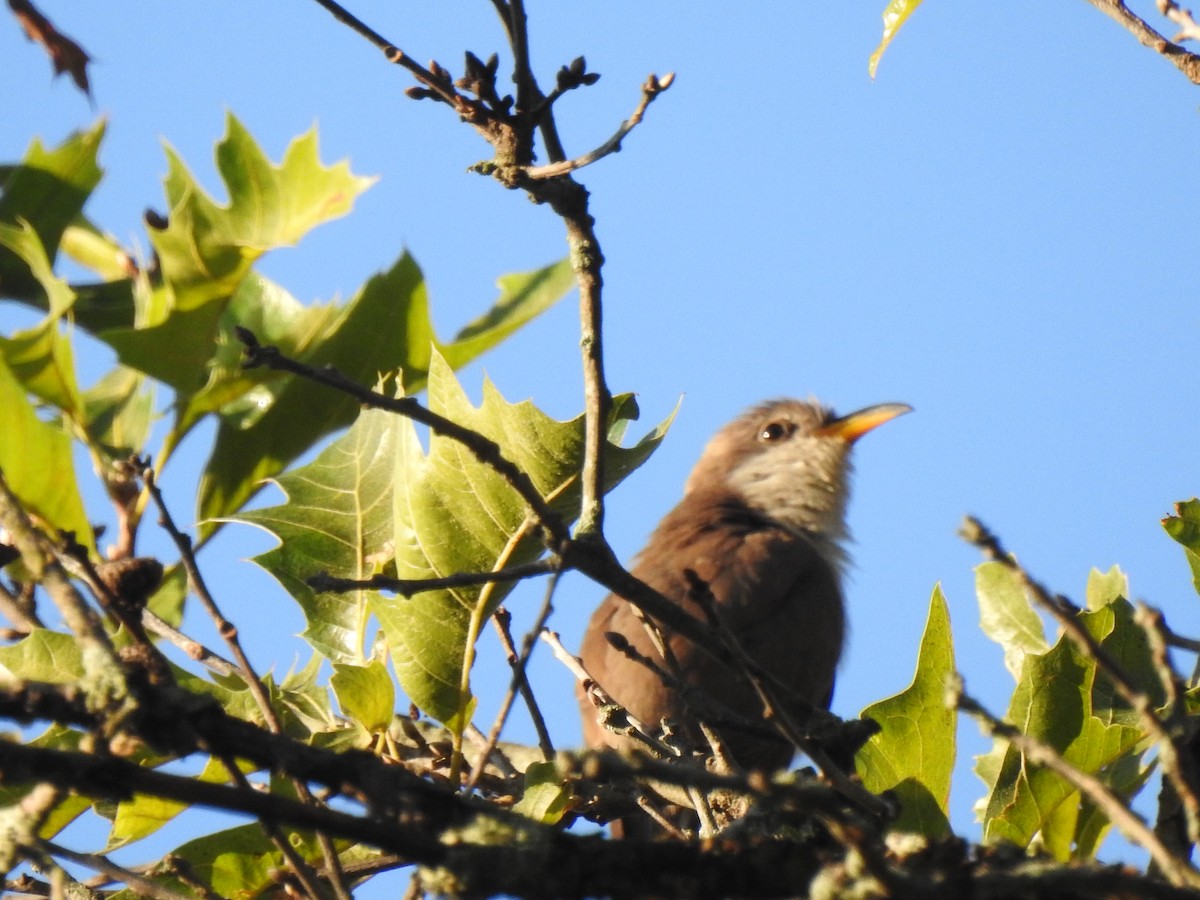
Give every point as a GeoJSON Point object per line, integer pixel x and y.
{"type": "Point", "coordinates": [1181, 774]}
{"type": "Point", "coordinates": [105, 866]}
{"type": "Point", "coordinates": [1177, 870]}
{"type": "Point", "coordinates": [1189, 28]}
{"type": "Point", "coordinates": [408, 587]}
{"type": "Point", "coordinates": [485, 450]}
{"type": "Point", "coordinates": [1188, 63]}
{"type": "Point", "coordinates": [650, 90]}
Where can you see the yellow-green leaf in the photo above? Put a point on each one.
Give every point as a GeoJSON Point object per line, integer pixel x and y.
{"type": "Point", "coordinates": [913, 754]}
{"type": "Point", "coordinates": [894, 17]}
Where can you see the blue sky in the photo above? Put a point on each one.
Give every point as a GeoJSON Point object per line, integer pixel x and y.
{"type": "Point", "coordinates": [996, 230]}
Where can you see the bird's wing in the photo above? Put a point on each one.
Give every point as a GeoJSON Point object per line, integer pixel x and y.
{"type": "Point", "coordinates": [772, 588]}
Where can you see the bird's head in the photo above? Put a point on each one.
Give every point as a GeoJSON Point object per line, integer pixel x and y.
{"type": "Point", "coordinates": [789, 461]}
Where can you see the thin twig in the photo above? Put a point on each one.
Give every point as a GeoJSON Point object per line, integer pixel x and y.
{"type": "Point", "coordinates": [408, 587]}
{"type": "Point", "coordinates": [612, 712]}
{"type": "Point", "coordinates": [394, 54]}
{"type": "Point", "coordinates": [1189, 28]}
{"type": "Point", "coordinates": [1066, 614]}
{"type": "Point", "coordinates": [650, 90]}
{"type": "Point", "coordinates": [228, 632]}
{"type": "Point", "coordinates": [22, 616]}
{"type": "Point", "coordinates": [1188, 63]}
{"type": "Point", "coordinates": [193, 649]}
{"type": "Point", "coordinates": [226, 629]}
{"type": "Point", "coordinates": [144, 887]}
{"type": "Point", "coordinates": [484, 449]}
{"type": "Point", "coordinates": [519, 683]}
{"type": "Point", "coordinates": [1177, 758]}
{"type": "Point", "coordinates": [299, 866]}
{"type": "Point", "coordinates": [1178, 871]}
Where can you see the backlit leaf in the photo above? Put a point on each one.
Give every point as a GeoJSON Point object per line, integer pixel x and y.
{"type": "Point", "coordinates": [1184, 527]}
{"type": "Point", "coordinates": [913, 754]}
{"type": "Point", "coordinates": [1006, 614]}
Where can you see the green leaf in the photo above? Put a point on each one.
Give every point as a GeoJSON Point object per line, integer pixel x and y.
{"type": "Point", "coordinates": [365, 693]}
{"type": "Point", "coordinates": [144, 814]}
{"type": "Point", "coordinates": [1104, 588]}
{"type": "Point", "coordinates": [1064, 702]}
{"type": "Point", "coordinates": [37, 464]}
{"type": "Point", "coordinates": [546, 795]}
{"type": "Point", "coordinates": [56, 737]}
{"type": "Point", "coordinates": [47, 190]}
{"type": "Point", "coordinates": [118, 411]}
{"type": "Point", "coordinates": [913, 754]}
{"type": "Point", "coordinates": [455, 514]}
{"type": "Point", "coordinates": [1184, 527]}
{"type": "Point", "coordinates": [43, 655]}
{"type": "Point", "coordinates": [40, 357]}
{"type": "Point", "coordinates": [385, 327]}
{"type": "Point", "coordinates": [894, 17]}
{"type": "Point", "coordinates": [522, 297]}
{"type": "Point", "coordinates": [337, 519]}
{"type": "Point", "coordinates": [207, 249]}
{"type": "Point", "coordinates": [1006, 614]}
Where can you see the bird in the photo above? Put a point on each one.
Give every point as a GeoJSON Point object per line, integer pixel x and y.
{"type": "Point", "coordinates": [762, 528]}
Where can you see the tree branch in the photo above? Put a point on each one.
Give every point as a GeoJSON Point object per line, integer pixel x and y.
{"type": "Point", "coordinates": [1185, 61]}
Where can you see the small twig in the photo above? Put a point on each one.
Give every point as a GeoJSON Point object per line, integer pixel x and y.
{"type": "Point", "coordinates": [519, 683]}
{"type": "Point", "coordinates": [484, 449]}
{"type": "Point", "coordinates": [408, 587]}
{"type": "Point", "coordinates": [441, 87]}
{"type": "Point", "coordinates": [299, 866]}
{"type": "Point", "coordinates": [1178, 871]}
{"type": "Point", "coordinates": [22, 616]}
{"type": "Point", "coordinates": [1189, 28]}
{"type": "Point", "coordinates": [228, 632]}
{"type": "Point", "coordinates": [1187, 63]}
{"type": "Point", "coordinates": [144, 887]}
{"type": "Point", "coordinates": [630, 726]}
{"type": "Point", "coordinates": [1178, 759]}
{"type": "Point", "coordinates": [650, 90]}
{"type": "Point", "coordinates": [778, 712]}
{"type": "Point", "coordinates": [226, 629]}
{"type": "Point", "coordinates": [193, 649]}
{"type": "Point", "coordinates": [1066, 614]}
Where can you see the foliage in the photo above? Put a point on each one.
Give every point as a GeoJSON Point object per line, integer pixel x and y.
{"type": "Point", "coordinates": [428, 530]}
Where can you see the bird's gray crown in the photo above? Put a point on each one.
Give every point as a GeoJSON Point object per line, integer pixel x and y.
{"type": "Point", "coordinates": [776, 460]}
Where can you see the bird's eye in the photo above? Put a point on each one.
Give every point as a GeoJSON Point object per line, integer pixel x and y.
{"type": "Point", "coordinates": [776, 431]}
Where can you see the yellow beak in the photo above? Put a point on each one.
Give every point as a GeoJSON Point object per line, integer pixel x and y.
{"type": "Point", "coordinates": [853, 426]}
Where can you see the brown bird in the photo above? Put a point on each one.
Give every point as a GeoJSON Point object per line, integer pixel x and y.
{"type": "Point", "coordinates": [762, 524]}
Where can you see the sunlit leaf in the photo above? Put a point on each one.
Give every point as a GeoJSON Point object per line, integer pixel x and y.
{"type": "Point", "coordinates": [43, 655]}
{"type": "Point", "coordinates": [47, 190]}
{"type": "Point", "coordinates": [1105, 587]}
{"type": "Point", "coordinates": [1063, 701]}
{"type": "Point", "coordinates": [384, 328]}
{"type": "Point", "coordinates": [337, 519]}
{"type": "Point", "coordinates": [36, 460]}
{"type": "Point", "coordinates": [455, 514]}
{"type": "Point", "coordinates": [1184, 527]}
{"type": "Point", "coordinates": [894, 17]}
{"type": "Point", "coordinates": [913, 754]}
{"type": "Point", "coordinates": [144, 814]}
{"type": "Point", "coordinates": [366, 694]}
{"type": "Point", "coordinates": [118, 411]}
{"type": "Point", "coordinates": [206, 249]}
{"type": "Point", "coordinates": [1006, 614]}
{"type": "Point", "coordinates": [546, 796]}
